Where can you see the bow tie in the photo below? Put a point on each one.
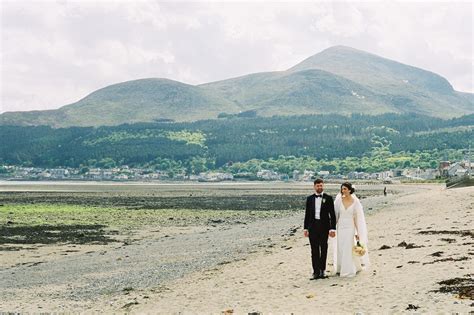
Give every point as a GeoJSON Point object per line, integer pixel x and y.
{"type": "Point", "coordinates": [319, 196]}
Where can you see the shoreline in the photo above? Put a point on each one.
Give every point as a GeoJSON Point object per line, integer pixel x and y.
{"type": "Point", "coordinates": [16, 182]}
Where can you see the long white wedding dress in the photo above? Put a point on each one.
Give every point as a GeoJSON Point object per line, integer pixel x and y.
{"type": "Point", "coordinates": [350, 221]}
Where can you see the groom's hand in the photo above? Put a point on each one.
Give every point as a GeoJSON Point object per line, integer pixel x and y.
{"type": "Point", "coordinates": [306, 233]}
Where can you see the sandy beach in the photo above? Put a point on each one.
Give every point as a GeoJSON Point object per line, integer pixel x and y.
{"type": "Point", "coordinates": [416, 240]}
{"type": "Point", "coordinates": [400, 279]}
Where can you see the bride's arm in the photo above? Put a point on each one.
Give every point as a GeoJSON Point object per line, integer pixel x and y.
{"type": "Point", "coordinates": [337, 204]}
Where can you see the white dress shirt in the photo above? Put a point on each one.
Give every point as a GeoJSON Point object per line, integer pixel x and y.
{"type": "Point", "coordinates": [317, 206]}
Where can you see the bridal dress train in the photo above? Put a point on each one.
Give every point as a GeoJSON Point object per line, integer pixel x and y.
{"type": "Point", "coordinates": [350, 221]}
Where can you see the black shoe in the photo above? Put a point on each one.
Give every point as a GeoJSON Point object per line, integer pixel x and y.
{"type": "Point", "coordinates": [314, 277]}
{"type": "Point", "coordinates": [322, 275]}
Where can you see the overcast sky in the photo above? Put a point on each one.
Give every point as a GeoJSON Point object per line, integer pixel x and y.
{"type": "Point", "coordinates": [54, 53]}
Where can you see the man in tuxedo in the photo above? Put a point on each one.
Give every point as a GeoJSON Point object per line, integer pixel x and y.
{"type": "Point", "coordinates": [319, 223]}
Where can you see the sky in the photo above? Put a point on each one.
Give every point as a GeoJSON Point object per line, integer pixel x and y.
{"type": "Point", "coordinates": [54, 53]}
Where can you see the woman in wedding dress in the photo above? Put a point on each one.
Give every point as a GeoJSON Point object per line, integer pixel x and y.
{"type": "Point", "coordinates": [351, 226]}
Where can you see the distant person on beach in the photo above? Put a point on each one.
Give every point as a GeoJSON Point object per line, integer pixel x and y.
{"type": "Point", "coordinates": [385, 191]}
{"type": "Point", "coordinates": [351, 245]}
{"type": "Point", "coordinates": [319, 223]}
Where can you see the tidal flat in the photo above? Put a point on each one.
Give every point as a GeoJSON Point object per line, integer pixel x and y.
{"type": "Point", "coordinates": [74, 243]}
{"type": "Point", "coordinates": [80, 213]}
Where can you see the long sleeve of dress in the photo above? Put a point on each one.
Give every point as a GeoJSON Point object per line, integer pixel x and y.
{"type": "Point", "coordinates": [361, 227]}
{"type": "Point", "coordinates": [337, 206]}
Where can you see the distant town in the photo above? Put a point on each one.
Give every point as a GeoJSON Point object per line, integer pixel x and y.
{"type": "Point", "coordinates": [446, 170]}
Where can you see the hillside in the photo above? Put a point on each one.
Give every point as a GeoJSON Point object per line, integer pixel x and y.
{"type": "Point", "coordinates": [309, 91]}
{"type": "Point", "coordinates": [346, 80]}
{"type": "Point", "coordinates": [144, 100]}
{"type": "Point", "coordinates": [215, 143]}
{"type": "Point", "coordinates": [406, 88]}
{"type": "Point", "coordinates": [338, 80]}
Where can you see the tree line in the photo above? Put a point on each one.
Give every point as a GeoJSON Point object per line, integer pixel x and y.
{"type": "Point", "coordinates": [233, 141]}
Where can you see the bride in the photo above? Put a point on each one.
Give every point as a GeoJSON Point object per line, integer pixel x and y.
{"type": "Point", "coordinates": [350, 224]}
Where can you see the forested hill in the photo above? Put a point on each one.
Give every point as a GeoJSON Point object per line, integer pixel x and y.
{"type": "Point", "coordinates": [215, 143]}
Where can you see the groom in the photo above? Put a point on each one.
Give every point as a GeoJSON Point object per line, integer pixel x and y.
{"type": "Point", "coordinates": [319, 222]}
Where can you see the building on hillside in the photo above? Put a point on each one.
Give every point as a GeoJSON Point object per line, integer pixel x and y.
{"type": "Point", "coordinates": [268, 175]}
{"type": "Point", "coordinates": [443, 168]}
{"type": "Point", "coordinates": [296, 175]}
{"type": "Point", "coordinates": [59, 173]}
{"type": "Point", "coordinates": [457, 169]}
{"type": "Point", "coordinates": [420, 174]}
{"type": "Point", "coordinates": [214, 177]}
{"type": "Point", "coordinates": [307, 176]}
{"type": "Point", "coordinates": [358, 175]}
{"type": "Point", "coordinates": [386, 174]}
{"type": "Point", "coordinates": [323, 174]}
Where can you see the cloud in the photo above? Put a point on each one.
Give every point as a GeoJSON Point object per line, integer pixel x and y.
{"type": "Point", "coordinates": [342, 19]}
{"type": "Point", "coordinates": [55, 53]}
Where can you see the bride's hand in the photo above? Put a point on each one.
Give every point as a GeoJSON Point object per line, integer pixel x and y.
{"type": "Point", "coordinates": [357, 237]}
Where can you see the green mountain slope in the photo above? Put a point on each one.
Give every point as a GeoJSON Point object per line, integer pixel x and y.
{"type": "Point", "coordinates": [339, 80]}
{"type": "Point", "coordinates": [294, 93]}
{"type": "Point", "coordinates": [405, 88]}
{"type": "Point", "coordinates": [143, 100]}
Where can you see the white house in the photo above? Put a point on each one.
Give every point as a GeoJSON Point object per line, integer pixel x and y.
{"type": "Point", "coordinates": [323, 174]}
{"type": "Point", "coordinates": [456, 169]}
{"type": "Point", "coordinates": [268, 175]}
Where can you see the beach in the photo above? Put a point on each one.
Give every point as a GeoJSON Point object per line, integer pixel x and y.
{"type": "Point", "coordinates": [419, 237]}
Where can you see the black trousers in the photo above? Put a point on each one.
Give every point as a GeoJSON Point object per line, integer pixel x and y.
{"type": "Point", "coordinates": [318, 239]}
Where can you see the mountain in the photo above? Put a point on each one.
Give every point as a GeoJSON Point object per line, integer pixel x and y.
{"type": "Point", "coordinates": [311, 91]}
{"type": "Point", "coordinates": [373, 71]}
{"type": "Point", "coordinates": [405, 88]}
{"type": "Point", "coordinates": [345, 80]}
{"type": "Point", "coordinates": [337, 80]}
{"type": "Point", "coordinates": [144, 100]}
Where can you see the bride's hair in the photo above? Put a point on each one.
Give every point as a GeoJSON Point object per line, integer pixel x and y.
{"type": "Point", "coordinates": [348, 186]}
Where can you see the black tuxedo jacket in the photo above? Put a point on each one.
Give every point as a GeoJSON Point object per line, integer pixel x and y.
{"type": "Point", "coordinates": [327, 215]}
